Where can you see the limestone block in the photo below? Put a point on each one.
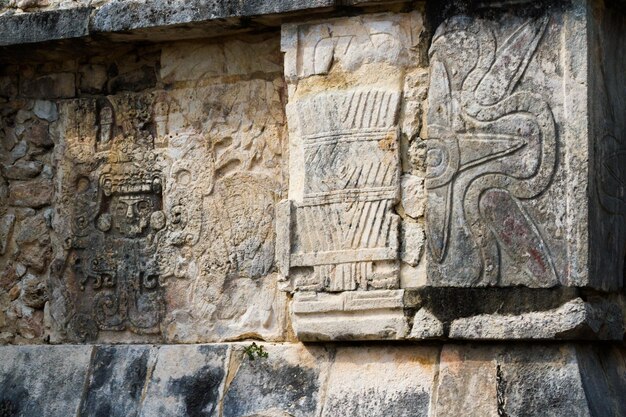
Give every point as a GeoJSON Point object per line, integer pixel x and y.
{"type": "Point", "coordinates": [22, 170]}
{"type": "Point", "coordinates": [34, 193]}
{"type": "Point", "coordinates": [497, 381]}
{"type": "Point", "coordinates": [46, 110]}
{"type": "Point", "coordinates": [61, 85]}
{"type": "Point", "coordinates": [6, 227]}
{"type": "Point", "coordinates": [581, 380]}
{"type": "Point", "coordinates": [117, 379]}
{"type": "Point", "coordinates": [92, 78]}
{"type": "Point", "coordinates": [194, 60]}
{"type": "Point", "coordinates": [413, 196]}
{"type": "Point", "coordinates": [603, 378]}
{"type": "Point", "coordinates": [289, 382]}
{"type": "Point", "coordinates": [42, 381]}
{"type": "Point", "coordinates": [426, 326]}
{"type": "Point", "coordinates": [412, 243]}
{"type": "Point", "coordinates": [523, 181]}
{"type": "Point", "coordinates": [350, 315]}
{"type": "Point", "coordinates": [339, 232]}
{"type": "Point", "coordinates": [185, 380]}
{"type": "Point", "coordinates": [165, 229]}
{"type": "Point", "coordinates": [574, 319]}
{"type": "Point", "coordinates": [381, 381]}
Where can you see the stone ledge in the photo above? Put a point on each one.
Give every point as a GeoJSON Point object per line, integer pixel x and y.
{"type": "Point", "coordinates": [44, 26]}
{"type": "Point", "coordinates": [180, 19]}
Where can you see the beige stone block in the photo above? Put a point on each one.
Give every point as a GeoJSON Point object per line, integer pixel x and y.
{"type": "Point", "coordinates": [381, 381]}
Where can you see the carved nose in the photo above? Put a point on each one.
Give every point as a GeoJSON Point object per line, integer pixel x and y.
{"type": "Point", "coordinates": [130, 212]}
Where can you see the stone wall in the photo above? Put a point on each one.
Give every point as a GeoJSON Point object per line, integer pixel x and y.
{"type": "Point", "coordinates": [414, 208]}
{"type": "Point", "coordinates": [313, 380]}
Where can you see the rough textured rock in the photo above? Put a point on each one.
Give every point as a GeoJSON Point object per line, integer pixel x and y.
{"type": "Point", "coordinates": [496, 381]}
{"type": "Point", "coordinates": [166, 201]}
{"type": "Point", "coordinates": [37, 193]}
{"type": "Point", "coordinates": [117, 378]}
{"type": "Point", "coordinates": [426, 326]}
{"type": "Point", "coordinates": [367, 381]}
{"type": "Point", "coordinates": [40, 27]}
{"type": "Point", "coordinates": [287, 382]}
{"type": "Point", "coordinates": [574, 319]}
{"type": "Point", "coordinates": [198, 188]}
{"type": "Point", "coordinates": [307, 381]}
{"type": "Point", "coordinates": [186, 381]}
{"type": "Point", "coordinates": [42, 381]}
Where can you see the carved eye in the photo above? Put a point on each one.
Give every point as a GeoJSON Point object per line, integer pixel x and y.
{"type": "Point", "coordinates": [143, 207]}
{"type": "Point", "coordinates": [121, 209]}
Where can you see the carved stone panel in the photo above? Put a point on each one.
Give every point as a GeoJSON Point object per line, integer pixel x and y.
{"type": "Point", "coordinates": [339, 232]}
{"type": "Point", "coordinates": [506, 165]}
{"type": "Point", "coordinates": [167, 208]}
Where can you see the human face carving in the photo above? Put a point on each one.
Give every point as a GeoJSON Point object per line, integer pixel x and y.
{"type": "Point", "coordinates": [131, 213]}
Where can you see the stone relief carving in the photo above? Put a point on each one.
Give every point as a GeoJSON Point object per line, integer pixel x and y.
{"type": "Point", "coordinates": [117, 227]}
{"type": "Point", "coordinates": [351, 43]}
{"type": "Point", "coordinates": [491, 148]}
{"type": "Point", "coordinates": [173, 218]}
{"type": "Point", "coordinates": [344, 228]}
{"type": "Point", "coordinates": [338, 234]}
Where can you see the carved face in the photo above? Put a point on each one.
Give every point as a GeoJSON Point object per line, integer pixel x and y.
{"type": "Point", "coordinates": [131, 213]}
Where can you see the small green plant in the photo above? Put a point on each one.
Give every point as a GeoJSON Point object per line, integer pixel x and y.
{"type": "Point", "coordinates": [255, 350]}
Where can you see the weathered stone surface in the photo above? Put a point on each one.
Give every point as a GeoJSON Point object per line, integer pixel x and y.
{"type": "Point", "coordinates": [499, 193]}
{"type": "Point", "coordinates": [6, 227]}
{"type": "Point", "coordinates": [426, 326]}
{"type": "Point", "coordinates": [35, 193]}
{"type": "Point", "coordinates": [46, 110]}
{"type": "Point", "coordinates": [413, 196]}
{"type": "Point", "coordinates": [50, 86]}
{"type": "Point", "coordinates": [607, 145]}
{"type": "Point", "coordinates": [42, 381]}
{"type": "Point", "coordinates": [165, 220]}
{"type": "Point", "coordinates": [342, 232]}
{"type": "Point", "coordinates": [575, 319]}
{"type": "Point", "coordinates": [22, 170]}
{"type": "Point", "coordinates": [44, 26]}
{"type": "Point", "coordinates": [186, 380]}
{"type": "Point", "coordinates": [287, 382]}
{"type": "Point", "coordinates": [92, 78]}
{"type": "Point", "coordinates": [497, 381]}
{"type": "Point", "coordinates": [412, 243]}
{"type": "Point", "coordinates": [34, 291]}
{"type": "Point", "coordinates": [297, 380]}
{"type": "Point", "coordinates": [351, 315]}
{"type": "Point", "coordinates": [117, 379]}
{"type": "Point", "coordinates": [603, 378]}
{"type": "Point", "coordinates": [187, 61]}
{"type": "Point", "coordinates": [376, 381]}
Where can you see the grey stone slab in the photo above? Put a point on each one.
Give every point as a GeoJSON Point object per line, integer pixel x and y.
{"type": "Point", "coordinates": [523, 380]}
{"type": "Point", "coordinates": [42, 381]}
{"type": "Point", "coordinates": [130, 15]}
{"type": "Point", "coordinates": [603, 372]}
{"type": "Point", "coordinates": [575, 319]}
{"type": "Point", "coordinates": [287, 382]}
{"type": "Point", "coordinates": [117, 379]}
{"type": "Point", "coordinates": [44, 26]}
{"type": "Point", "coordinates": [381, 381]}
{"type": "Point", "coordinates": [607, 144]}
{"type": "Point", "coordinates": [186, 381]}
{"type": "Point", "coordinates": [195, 18]}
